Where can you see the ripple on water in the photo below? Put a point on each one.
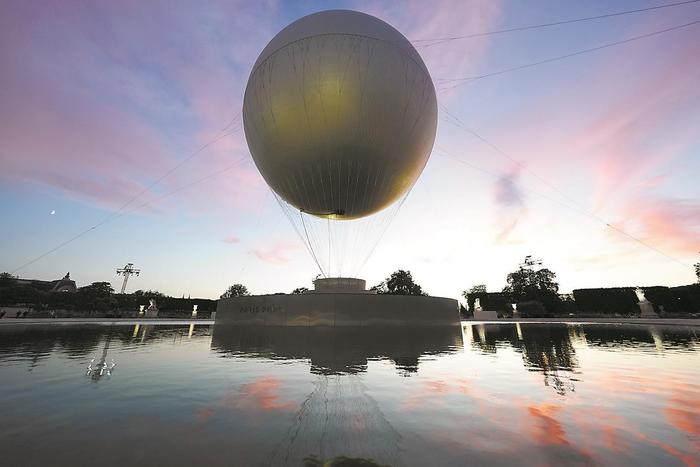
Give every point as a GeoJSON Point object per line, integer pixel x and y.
{"type": "Point", "coordinates": [487, 394]}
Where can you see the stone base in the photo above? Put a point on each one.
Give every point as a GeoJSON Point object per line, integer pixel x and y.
{"type": "Point", "coordinates": [647, 310]}
{"type": "Point", "coordinates": [340, 285]}
{"type": "Point", "coordinates": [338, 309]}
{"type": "Point", "coordinates": [485, 315]}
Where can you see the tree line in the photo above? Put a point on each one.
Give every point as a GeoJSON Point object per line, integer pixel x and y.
{"type": "Point", "coordinates": [400, 282]}
{"type": "Point", "coordinates": [535, 292]}
{"type": "Point", "coordinates": [95, 299]}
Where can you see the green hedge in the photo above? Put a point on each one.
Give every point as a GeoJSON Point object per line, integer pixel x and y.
{"type": "Point", "coordinates": [491, 301]}
{"type": "Point", "coordinates": [623, 300]}
{"type": "Point", "coordinates": [663, 299]}
{"type": "Point", "coordinates": [674, 300]}
{"type": "Point", "coordinates": [609, 301]}
{"type": "Point", "coordinates": [533, 309]}
{"type": "Point", "coordinates": [41, 300]}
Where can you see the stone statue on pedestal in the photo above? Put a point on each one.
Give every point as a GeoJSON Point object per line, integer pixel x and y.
{"type": "Point", "coordinates": [645, 306]}
{"type": "Point", "coordinates": [480, 313]}
{"type": "Point", "coordinates": [152, 310]}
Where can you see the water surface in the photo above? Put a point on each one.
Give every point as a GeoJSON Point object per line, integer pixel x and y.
{"type": "Point", "coordinates": [494, 394]}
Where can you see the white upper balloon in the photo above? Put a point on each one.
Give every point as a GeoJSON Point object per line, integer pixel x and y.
{"type": "Point", "coordinates": [340, 114]}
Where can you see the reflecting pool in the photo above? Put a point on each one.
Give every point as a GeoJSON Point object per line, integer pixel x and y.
{"type": "Point", "coordinates": [483, 394]}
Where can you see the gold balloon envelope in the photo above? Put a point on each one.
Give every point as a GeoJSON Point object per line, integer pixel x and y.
{"type": "Point", "coordinates": [340, 114]}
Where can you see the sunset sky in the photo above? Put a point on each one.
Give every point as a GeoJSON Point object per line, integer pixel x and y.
{"type": "Point", "coordinates": [99, 100]}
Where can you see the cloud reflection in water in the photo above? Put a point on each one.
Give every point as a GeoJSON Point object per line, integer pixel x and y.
{"type": "Point", "coordinates": [527, 394]}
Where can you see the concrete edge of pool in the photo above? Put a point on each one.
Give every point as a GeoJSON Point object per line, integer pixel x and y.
{"type": "Point", "coordinates": [640, 321]}
{"type": "Point", "coordinates": [104, 321]}
{"type": "Point", "coordinates": [209, 322]}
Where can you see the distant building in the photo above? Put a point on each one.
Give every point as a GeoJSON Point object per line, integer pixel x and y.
{"type": "Point", "coordinates": [66, 284]}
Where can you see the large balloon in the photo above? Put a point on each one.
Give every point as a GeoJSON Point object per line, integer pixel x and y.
{"type": "Point", "coordinates": [340, 114]}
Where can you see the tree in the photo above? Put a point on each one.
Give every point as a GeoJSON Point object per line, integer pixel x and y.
{"type": "Point", "coordinates": [6, 279]}
{"type": "Point", "coordinates": [697, 271]}
{"type": "Point", "coordinates": [236, 290]}
{"type": "Point", "coordinates": [300, 290]}
{"type": "Point", "coordinates": [478, 288]}
{"type": "Point", "coordinates": [97, 289]}
{"type": "Point", "coordinates": [401, 283]}
{"type": "Point", "coordinates": [149, 294]}
{"type": "Point", "coordinates": [95, 297]}
{"type": "Point", "coordinates": [528, 284]}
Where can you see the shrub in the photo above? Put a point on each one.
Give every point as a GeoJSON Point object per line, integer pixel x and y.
{"type": "Point", "coordinates": [492, 301]}
{"type": "Point", "coordinates": [532, 309]}
{"type": "Point", "coordinates": [464, 312]}
{"type": "Point", "coordinates": [687, 298]}
{"type": "Point", "coordinates": [609, 301]}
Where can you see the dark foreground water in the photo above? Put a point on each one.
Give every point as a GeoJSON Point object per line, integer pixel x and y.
{"type": "Point", "coordinates": [528, 394]}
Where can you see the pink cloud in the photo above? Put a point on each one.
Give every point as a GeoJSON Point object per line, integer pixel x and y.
{"type": "Point", "coordinates": [277, 253]}
{"type": "Point", "coordinates": [670, 224]}
{"type": "Point", "coordinates": [578, 432]}
{"type": "Point", "coordinates": [261, 394]}
{"type": "Point", "coordinates": [506, 226]}
{"type": "Point", "coordinates": [604, 260]}
{"type": "Point", "coordinates": [99, 101]}
{"type": "Point", "coordinates": [507, 192]}
{"type": "Point", "coordinates": [443, 18]}
{"type": "Point", "coordinates": [436, 391]}
{"type": "Point", "coordinates": [231, 239]}
{"type": "Point", "coordinates": [510, 205]}
{"type": "Point", "coordinates": [636, 133]}
{"type": "Point", "coordinates": [644, 124]}
{"type": "Point", "coordinates": [546, 428]}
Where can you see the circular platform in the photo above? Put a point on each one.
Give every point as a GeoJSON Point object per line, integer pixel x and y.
{"type": "Point", "coordinates": [340, 285]}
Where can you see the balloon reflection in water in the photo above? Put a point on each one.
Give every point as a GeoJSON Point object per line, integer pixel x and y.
{"type": "Point", "coordinates": [339, 417]}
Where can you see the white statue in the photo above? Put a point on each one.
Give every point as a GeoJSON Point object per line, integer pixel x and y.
{"type": "Point", "coordinates": [152, 310]}
{"type": "Point", "coordinates": [645, 306]}
{"type": "Point", "coordinates": [194, 311]}
{"type": "Point", "coordinates": [477, 304]}
{"type": "Point", "coordinates": [640, 295]}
